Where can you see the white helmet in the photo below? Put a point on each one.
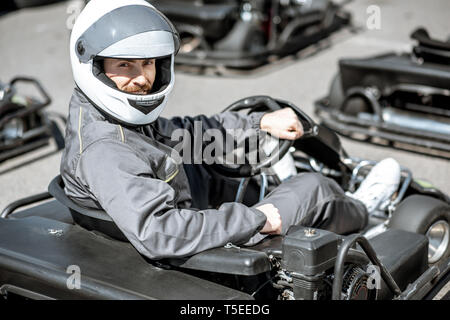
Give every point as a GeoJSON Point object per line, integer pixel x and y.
{"type": "Point", "coordinates": [131, 29]}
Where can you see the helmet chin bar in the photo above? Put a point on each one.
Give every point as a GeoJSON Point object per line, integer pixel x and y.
{"type": "Point", "coordinates": [146, 106]}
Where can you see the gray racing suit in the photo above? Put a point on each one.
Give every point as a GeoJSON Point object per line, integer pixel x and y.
{"type": "Point", "coordinates": [129, 173]}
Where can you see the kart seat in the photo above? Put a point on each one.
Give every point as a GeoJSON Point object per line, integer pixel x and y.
{"type": "Point", "coordinates": [90, 219]}
{"type": "Point", "coordinates": [226, 260]}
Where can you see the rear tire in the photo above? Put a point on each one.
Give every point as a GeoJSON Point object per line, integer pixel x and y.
{"type": "Point", "coordinates": [355, 106]}
{"type": "Point", "coordinates": [338, 100]}
{"type": "Point", "coordinates": [428, 216]}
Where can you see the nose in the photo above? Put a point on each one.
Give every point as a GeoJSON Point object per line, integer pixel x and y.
{"type": "Point", "coordinates": [140, 80]}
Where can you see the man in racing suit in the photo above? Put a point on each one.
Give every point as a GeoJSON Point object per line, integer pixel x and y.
{"type": "Point", "coordinates": [118, 154]}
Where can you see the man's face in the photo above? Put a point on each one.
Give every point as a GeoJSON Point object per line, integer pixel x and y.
{"type": "Point", "coordinates": [133, 76]}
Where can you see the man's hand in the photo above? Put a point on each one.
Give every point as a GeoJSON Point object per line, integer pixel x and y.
{"type": "Point", "coordinates": [283, 124]}
{"type": "Point", "coordinates": [273, 222]}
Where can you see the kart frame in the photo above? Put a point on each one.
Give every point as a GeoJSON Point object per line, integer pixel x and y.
{"type": "Point", "coordinates": [280, 43]}
{"type": "Point", "coordinates": [41, 272]}
{"type": "Point", "coordinates": [394, 100]}
{"type": "Point", "coordinates": [53, 222]}
{"type": "Point", "coordinates": [40, 133]}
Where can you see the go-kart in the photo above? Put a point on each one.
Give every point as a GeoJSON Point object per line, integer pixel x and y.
{"type": "Point", "coordinates": [250, 33]}
{"type": "Point", "coordinates": [399, 100]}
{"type": "Point", "coordinates": [24, 126]}
{"type": "Point", "coordinates": [402, 254]}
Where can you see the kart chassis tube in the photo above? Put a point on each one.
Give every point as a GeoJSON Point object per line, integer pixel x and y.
{"type": "Point", "coordinates": [370, 97]}
{"type": "Point", "coordinates": [20, 149]}
{"type": "Point", "coordinates": [346, 125]}
{"type": "Point", "coordinates": [407, 181]}
{"type": "Point", "coordinates": [23, 202]}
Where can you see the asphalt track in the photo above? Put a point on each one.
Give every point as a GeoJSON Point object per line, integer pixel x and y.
{"type": "Point", "coordinates": [34, 42]}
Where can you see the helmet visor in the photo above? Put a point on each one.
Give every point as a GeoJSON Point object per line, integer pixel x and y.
{"type": "Point", "coordinates": [128, 22]}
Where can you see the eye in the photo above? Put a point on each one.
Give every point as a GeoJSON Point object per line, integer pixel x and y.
{"type": "Point", "coordinates": [123, 65]}
{"type": "Point", "coordinates": [148, 62]}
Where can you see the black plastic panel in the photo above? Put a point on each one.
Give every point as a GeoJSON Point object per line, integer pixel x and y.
{"type": "Point", "coordinates": [404, 254]}
{"type": "Point", "coordinates": [391, 69]}
{"type": "Point", "coordinates": [239, 261]}
{"type": "Point", "coordinates": [51, 210]}
{"type": "Point", "coordinates": [35, 253]}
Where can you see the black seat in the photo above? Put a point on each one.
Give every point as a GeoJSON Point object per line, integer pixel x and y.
{"type": "Point", "coordinates": [90, 219]}
{"type": "Point", "coordinates": [232, 260]}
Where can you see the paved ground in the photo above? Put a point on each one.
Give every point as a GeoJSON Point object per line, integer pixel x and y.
{"type": "Point", "coordinates": [35, 43]}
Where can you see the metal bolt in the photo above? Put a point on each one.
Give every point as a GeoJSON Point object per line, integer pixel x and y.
{"type": "Point", "coordinates": [80, 48]}
{"type": "Point", "coordinates": [310, 232]}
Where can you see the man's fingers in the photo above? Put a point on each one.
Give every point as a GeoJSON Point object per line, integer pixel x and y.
{"type": "Point", "coordinates": [273, 222]}
{"type": "Point", "coordinates": [293, 131]}
{"type": "Point", "coordinates": [299, 128]}
{"type": "Point", "coordinates": [290, 135]}
{"type": "Point", "coordinates": [283, 124]}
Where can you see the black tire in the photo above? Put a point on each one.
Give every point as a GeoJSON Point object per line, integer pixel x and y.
{"type": "Point", "coordinates": [356, 105]}
{"type": "Point", "coordinates": [418, 213]}
{"type": "Point", "coordinates": [338, 99]}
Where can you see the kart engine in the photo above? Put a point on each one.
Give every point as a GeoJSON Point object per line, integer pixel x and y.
{"type": "Point", "coordinates": [307, 266]}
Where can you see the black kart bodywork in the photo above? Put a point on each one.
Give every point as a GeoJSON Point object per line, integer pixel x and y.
{"type": "Point", "coordinates": [24, 125]}
{"type": "Point", "coordinates": [248, 34]}
{"type": "Point", "coordinates": [42, 247]}
{"type": "Point", "coordinates": [400, 100]}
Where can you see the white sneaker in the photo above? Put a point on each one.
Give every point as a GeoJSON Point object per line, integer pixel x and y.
{"type": "Point", "coordinates": [380, 184]}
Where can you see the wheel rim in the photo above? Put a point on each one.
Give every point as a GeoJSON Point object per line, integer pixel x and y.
{"type": "Point", "coordinates": [438, 238]}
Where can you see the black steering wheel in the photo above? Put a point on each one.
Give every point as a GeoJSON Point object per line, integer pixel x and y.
{"type": "Point", "coordinates": [265, 103]}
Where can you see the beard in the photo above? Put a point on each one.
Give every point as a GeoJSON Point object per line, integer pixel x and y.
{"type": "Point", "coordinates": [145, 89]}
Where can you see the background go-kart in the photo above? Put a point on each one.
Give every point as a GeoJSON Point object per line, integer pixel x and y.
{"type": "Point", "coordinates": [34, 42]}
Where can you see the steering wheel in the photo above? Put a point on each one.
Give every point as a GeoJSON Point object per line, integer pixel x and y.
{"type": "Point", "coordinates": [265, 103]}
